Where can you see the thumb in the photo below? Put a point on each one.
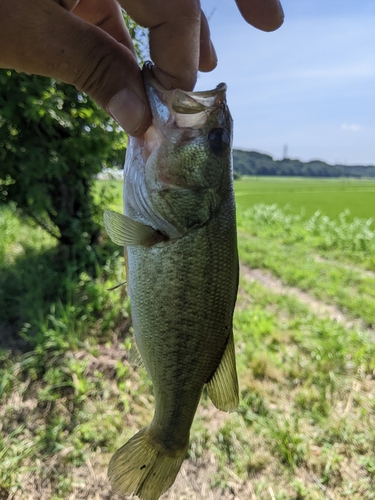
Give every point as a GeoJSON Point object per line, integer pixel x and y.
{"type": "Point", "coordinates": [108, 72]}
{"type": "Point", "coordinates": [41, 37]}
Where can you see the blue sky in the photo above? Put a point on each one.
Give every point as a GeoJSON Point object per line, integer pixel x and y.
{"type": "Point", "coordinates": [309, 85]}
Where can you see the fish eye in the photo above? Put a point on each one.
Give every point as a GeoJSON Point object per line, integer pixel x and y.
{"type": "Point", "coordinates": [218, 141]}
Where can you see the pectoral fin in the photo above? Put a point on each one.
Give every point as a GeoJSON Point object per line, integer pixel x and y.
{"type": "Point", "coordinates": [127, 232]}
{"type": "Point", "coordinates": [222, 388]}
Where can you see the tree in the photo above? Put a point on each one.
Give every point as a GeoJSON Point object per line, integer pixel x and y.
{"type": "Point", "coordinates": [54, 140]}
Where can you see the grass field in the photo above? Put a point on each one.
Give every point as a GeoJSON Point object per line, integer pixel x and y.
{"type": "Point", "coordinates": [306, 196]}
{"type": "Point", "coordinates": [305, 340]}
{"type": "Point", "coordinates": [303, 196]}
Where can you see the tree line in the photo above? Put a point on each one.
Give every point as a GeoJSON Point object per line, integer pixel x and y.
{"type": "Point", "coordinates": [254, 163]}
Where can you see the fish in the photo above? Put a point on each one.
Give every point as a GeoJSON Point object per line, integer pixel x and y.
{"type": "Point", "coordinates": [179, 234]}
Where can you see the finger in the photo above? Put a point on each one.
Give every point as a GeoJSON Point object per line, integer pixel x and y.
{"type": "Point", "coordinates": [266, 15]}
{"type": "Point", "coordinates": [174, 31]}
{"type": "Point", "coordinates": [56, 43]}
{"type": "Point", "coordinates": [207, 53]}
{"type": "Point", "coordinates": [107, 15]}
{"type": "Point", "coordinates": [67, 4]}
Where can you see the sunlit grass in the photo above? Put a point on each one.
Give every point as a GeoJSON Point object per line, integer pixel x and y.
{"type": "Point", "coordinates": [303, 196]}
{"type": "Point", "coordinates": [306, 416]}
{"type": "Point", "coordinates": [307, 195]}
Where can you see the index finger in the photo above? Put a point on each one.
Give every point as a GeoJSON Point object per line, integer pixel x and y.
{"type": "Point", "coordinates": [107, 15]}
{"type": "Point", "coordinates": [174, 30]}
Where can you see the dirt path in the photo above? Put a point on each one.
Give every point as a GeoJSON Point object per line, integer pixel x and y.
{"type": "Point", "coordinates": [267, 279]}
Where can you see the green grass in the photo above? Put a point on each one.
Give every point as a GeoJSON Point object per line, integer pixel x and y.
{"type": "Point", "coordinates": [306, 420]}
{"type": "Point", "coordinates": [306, 195]}
{"type": "Point", "coordinates": [116, 187]}
{"type": "Point", "coordinates": [293, 249]}
{"type": "Point", "coordinates": [303, 196]}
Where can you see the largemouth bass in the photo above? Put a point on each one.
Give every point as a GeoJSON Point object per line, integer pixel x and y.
{"type": "Point", "coordinates": [179, 234]}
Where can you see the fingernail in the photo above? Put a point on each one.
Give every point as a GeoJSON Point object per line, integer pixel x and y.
{"type": "Point", "coordinates": [281, 10]}
{"type": "Point", "coordinates": [127, 109]}
{"type": "Point", "coordinates": [213, 53]}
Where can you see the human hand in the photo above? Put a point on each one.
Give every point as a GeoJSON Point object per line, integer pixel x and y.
{"type": "Point", "coordinates": [86, 43]}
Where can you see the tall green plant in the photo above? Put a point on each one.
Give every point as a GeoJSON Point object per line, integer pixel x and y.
{"type": "Point", "coordinates": [54, 140]}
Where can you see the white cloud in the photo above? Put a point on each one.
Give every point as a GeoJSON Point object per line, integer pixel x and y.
{"type": "Point", "coordinates": [352, 127]}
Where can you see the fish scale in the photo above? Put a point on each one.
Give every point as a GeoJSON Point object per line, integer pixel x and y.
{"type": "Point", "coordinates": [179, 234]}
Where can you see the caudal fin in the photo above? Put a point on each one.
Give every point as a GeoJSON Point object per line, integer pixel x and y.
{"type": "Point", "coordinates": [143, 467]}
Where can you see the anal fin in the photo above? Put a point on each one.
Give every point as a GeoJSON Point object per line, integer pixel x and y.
{"type": "Point", "coordinates": [135, 357]}
{"type": "Point", "coordinates": [222, 388]}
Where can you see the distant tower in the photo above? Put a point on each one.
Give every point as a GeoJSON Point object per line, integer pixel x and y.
{"type": "Point", "coordinates": [285, 151]}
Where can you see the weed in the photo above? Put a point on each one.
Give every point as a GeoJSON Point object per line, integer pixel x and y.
{"type": "Point", "coordinates": [289, 441]}
{"type": "Point", "coordinates": [307, 386]}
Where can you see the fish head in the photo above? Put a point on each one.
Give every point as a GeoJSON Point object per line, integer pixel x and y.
{"type": "Point", "coordinates": [187, 153]}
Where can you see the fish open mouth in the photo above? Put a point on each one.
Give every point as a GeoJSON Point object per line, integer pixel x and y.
{"type": "Point", "coordinates": [188, 109]}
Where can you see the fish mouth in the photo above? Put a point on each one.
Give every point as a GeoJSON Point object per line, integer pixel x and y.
{"type": "Point", "coordinates": [189, 109]}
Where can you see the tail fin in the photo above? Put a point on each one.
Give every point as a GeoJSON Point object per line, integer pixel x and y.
{"type": "Point", "coordinates": [143, 467]}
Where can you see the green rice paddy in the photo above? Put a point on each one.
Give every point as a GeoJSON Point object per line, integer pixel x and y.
{"type": "Point", "coordinates": [305, 195]}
